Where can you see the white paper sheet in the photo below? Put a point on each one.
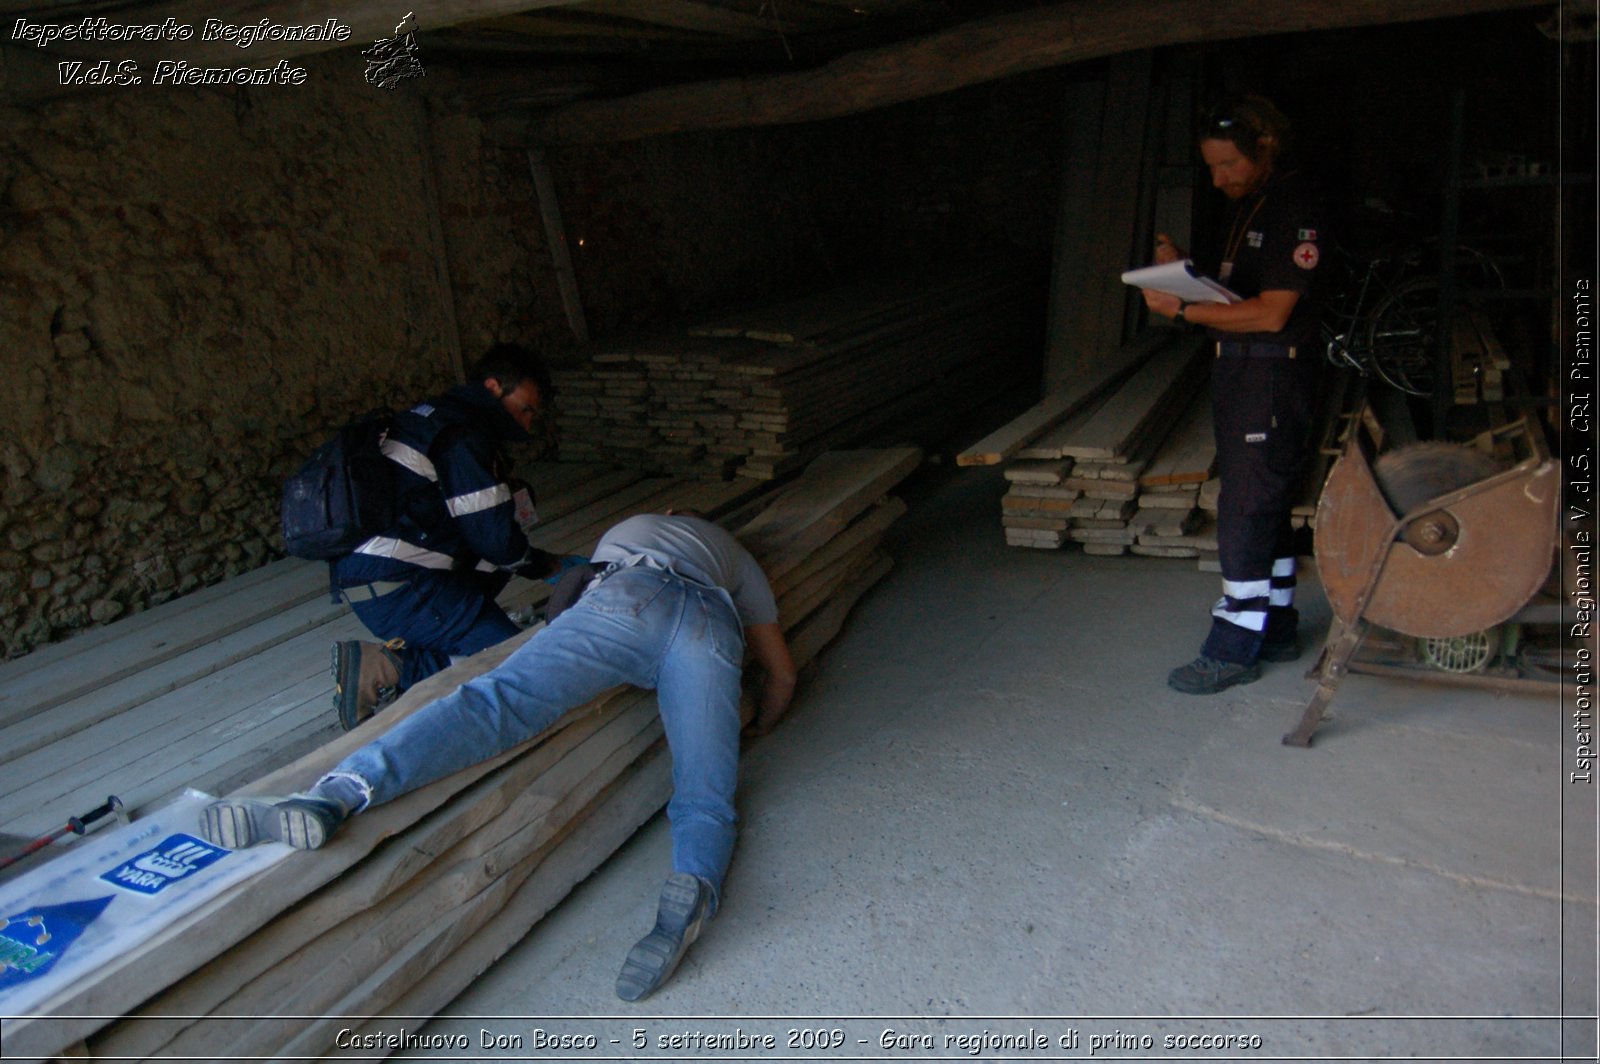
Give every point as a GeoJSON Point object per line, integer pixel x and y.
{"type": "Point", "coordinates": [1180, 279]}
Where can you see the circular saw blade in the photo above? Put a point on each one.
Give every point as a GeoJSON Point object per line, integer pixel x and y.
{"type": "Point", "coordinates": [1417, 473]}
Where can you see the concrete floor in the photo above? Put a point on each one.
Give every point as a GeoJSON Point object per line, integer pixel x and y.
{"type": "Point", "coordinates": [987, 812]}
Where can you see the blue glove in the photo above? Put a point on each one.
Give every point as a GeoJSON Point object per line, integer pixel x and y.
{"type": "Point", "coordinates": [563, 563]}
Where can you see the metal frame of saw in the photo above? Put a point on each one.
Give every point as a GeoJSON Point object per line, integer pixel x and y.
{"type": "Point", "coordinates": [1441, 569]}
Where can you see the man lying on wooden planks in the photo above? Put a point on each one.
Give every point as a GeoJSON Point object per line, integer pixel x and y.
{"type": "Point", "coordinates": [672, 609]}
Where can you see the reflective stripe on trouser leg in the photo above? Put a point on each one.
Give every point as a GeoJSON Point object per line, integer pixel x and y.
{"type": "Point", "coordinates": [1283, 620]}
{"type": "Point", "coordinates": [1238, 621]}
{"type": "Point", "coordinates": [1283, 583]}
{"type": "Point", "coordinates": [1261, 408]}
{"type": "Point", "coordinates": [1244, 603]}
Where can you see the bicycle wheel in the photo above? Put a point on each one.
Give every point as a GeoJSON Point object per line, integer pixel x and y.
{"type": "Point", "coordinates": [1402, 336]}
{"type": "Point", "coordinates": [1338, 348]}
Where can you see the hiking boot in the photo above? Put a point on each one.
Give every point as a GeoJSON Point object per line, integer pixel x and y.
{"type": "Point", "coordinates": [1280, 649]}
{"type": "Point", "coordinates": [366, 678]}
{"type": "Point", "coordinates": [1207, 676]}
{"type": "Point", "coordinates": [300, 821]}
{"type": "Point", "coordinates": [685, 903]}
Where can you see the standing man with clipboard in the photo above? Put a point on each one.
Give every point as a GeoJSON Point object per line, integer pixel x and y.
{"type": "Point", "coordinates": [1261, 387]}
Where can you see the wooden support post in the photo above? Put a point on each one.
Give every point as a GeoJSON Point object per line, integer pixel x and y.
{"type": "Point", "coordinates": [441, 253]}
{"type": "Point", "coordinates": [1080, 158]}
{"type": "Point", "coordinates": [1143, 232]}
{"type": "Point", "coordinates": [1449, 231]}
{"type": "Point", "coordinates": [1117, 193]}
{"type": "Point", "coordinates": [1174, 207]}
{"type": "Point", "coordinates": [555, 235]}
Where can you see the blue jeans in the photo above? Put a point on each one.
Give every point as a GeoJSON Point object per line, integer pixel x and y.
{"type": "Point", "coordinates": [638, 626]}
{"type": "Point", "coordinates": [440, 616]}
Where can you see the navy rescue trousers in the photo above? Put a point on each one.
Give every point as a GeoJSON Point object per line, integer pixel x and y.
{"type": "Point", "coordinates": [441, 616]}
{"type": "Point", "coordinates": [1262, 404]}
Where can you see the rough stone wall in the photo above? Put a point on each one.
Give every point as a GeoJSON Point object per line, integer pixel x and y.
{"type": "Point", "coordinates": [196, 286]}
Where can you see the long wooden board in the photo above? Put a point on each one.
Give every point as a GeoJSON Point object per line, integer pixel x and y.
{"type": "Point", "coordinates": [1060, 404]}
{"type": "Point", "coordinates": [1190, 452]}
{"type": "Point", "coordinates": [1116, 426]}
{"type": "Point", "coordinates": [817, 507]}
{"type": "Point", "coordinates": [317, 894]}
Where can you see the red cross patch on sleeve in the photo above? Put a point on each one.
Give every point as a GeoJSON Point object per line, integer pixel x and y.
{"type": "Point", "coordinates": [1306, 256]}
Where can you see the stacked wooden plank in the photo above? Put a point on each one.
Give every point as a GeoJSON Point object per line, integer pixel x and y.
{"type": "Point", "coordinates": [1477, 359]}
{"type": "Point", "coordinates": [1081, 480]}
{"type": "Point", "coordinates": [1170, 521]}
{"type": "Point", "coordinates": [414, 898]}
{"type": "Point", "coordinates": [1133, 471]}
{"type": "Point", "coordinates": [762, 392]}
{"type": "Point", "coordinates": [213, 688]}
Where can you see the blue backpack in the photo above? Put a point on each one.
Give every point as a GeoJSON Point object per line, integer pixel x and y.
{"type": "Point", "coordinates": [343, 495]}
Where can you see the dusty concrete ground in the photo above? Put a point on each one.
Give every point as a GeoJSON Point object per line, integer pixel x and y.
{"type": "Point", "coordinates": [988, 813]}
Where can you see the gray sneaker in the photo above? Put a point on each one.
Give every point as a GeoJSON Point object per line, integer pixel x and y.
{"type": "Point", "coordinates": [1207, 676]}
{"type": "Point", "coordinates": [685, 905]}
{"type": "Point", "coordinates": [300, 821]}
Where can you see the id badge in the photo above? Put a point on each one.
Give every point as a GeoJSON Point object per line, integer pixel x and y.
{"type": "Point", "coordinates": [1225, 272]}
{"type": "Point", "coordinates": [527, 513]}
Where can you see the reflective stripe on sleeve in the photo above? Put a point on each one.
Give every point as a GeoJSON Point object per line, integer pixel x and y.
{"type": "Point", "coordinates": [477, 501]}
{"type": "Point", "coordinates": [410, 458]}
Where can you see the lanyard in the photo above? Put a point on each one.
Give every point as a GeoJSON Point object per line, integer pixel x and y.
{"type": "Point", "coordinates": [1236, 237]}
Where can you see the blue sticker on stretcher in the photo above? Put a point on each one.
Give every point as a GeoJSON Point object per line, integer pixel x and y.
{"type": "Point", "coordinates": [33, 940]}
{"type": "Point", "coordinates": [175, 858]}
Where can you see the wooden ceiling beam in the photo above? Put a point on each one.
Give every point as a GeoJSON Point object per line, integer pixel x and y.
{"type": "Point", "coordinates": [698, 17]}
{"type": "Point", "coordinates": [533, 30]}
{"type": "Point", "coordinates": [970, 54]}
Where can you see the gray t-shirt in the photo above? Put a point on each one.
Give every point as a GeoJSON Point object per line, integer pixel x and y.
{"type": "Point", "coordinates": [698, 550]}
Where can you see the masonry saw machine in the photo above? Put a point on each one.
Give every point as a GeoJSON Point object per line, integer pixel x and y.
{"type": "Point", "coordinates": [1437, 540]}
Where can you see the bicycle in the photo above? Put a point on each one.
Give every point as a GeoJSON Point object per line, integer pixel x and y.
{"type": "Point", "coordinates": [1383, 321]}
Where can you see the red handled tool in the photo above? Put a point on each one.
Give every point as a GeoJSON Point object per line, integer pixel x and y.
{"type": "Point", "coordinates": [76, 825]}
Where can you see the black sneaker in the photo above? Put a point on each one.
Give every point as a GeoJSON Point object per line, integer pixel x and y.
{"type": "Point", "coordinates": [1280, 649]}
{"type": "Point", "coordinates": [685, 902]}
{"type": "Point", "coordinates": [1207, 676]}
{"type": "Point", "coordinates": [300, 821]}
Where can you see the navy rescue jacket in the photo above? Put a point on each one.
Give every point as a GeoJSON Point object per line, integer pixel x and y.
{"type": "Point", "coordinates": [1275, 241]}
{"type": "Point", "coordinates": [457, 511]}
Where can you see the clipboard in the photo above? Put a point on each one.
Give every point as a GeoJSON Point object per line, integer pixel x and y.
{"type": "Point", "coordinates": [1181, 279]}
